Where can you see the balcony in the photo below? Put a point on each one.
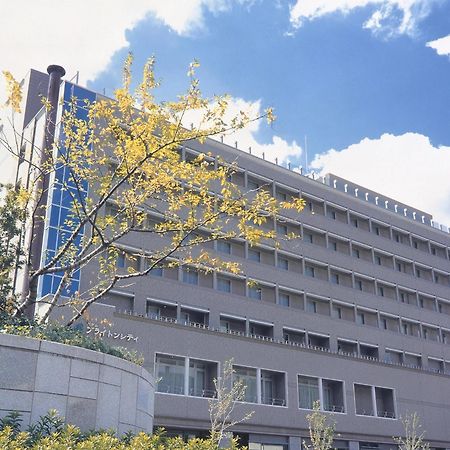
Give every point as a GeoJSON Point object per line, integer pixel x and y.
{"type": "Point", "coordinates": [194, 317]}
{"type": "Point", "coordinates": [260, 331]}
{"type": "Point", "coordinates": [347, 347]}
{"type": "Point", "coordinates": [368, 351]}
{"type": "Point", "coordinates": [294, 337]}
{"type": "Point", "coordinates": [318, 341]}
{"type": "Point", "coordinates": [161, 311]}
{"type": "Point", "coordinates": [232, 325]}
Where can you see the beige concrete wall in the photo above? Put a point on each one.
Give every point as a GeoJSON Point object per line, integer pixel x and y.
{"type": "Point", "coordinates": [88, 388]}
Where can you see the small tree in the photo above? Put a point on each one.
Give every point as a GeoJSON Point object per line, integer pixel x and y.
{"type": "Point", "coordinates": [11, 217]}
{"type": "Point", "coordinates": [414, 434]}
{"type": "Point", "coordinates": [222, 408]}
{"type": "Point", "coordinates": [127, 153]}
{"type": "Point", "coordinates": [321, 433]}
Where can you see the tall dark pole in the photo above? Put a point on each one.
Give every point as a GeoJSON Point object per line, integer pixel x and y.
{"type": "Point", "coordinates": [34, 260]}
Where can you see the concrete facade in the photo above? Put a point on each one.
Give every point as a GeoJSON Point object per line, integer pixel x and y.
{"type": "Point", "coordinates": [90, 389]}
{"type": "Point", "coordinates": [355, 313]}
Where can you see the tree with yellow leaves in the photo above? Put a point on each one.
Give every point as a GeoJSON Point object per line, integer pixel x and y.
{"type": "Point", "coordinates": [126, 176]}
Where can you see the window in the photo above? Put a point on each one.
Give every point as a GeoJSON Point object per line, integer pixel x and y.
{"type": "Point", "coordinates": [354, 222]}
{"type": "Point", "coordinates": [156, 272]}
{"type": "Point", "coordinates": [254, 255]}
{"type": "Point", "coordinates": [385, 402]}
{"type": "Point", "coordinates": [309, 271]}
{"type": "Point", "coordinates": [332, 215]}
{"type": "Point", "coordinates": [397, 237]}
{"type": "Point", "coordinates": [308, 392]}
{"type": "Point", "coordinates": [404, 328]}
{"type": "Point", "coordinates": [224, 247]}
{"type": "Point", "coordinates": [197, 378]}
{"type": "Point", "coordinates": [384, 324]}
{"type": "Point", "coordinates": [360, 318]}
{"type": "Point", "coordinates": [377, 230]}
{"type": "Point", "coordinates": [359, 285]}
{"type": "Point", "coordinates": [248, 377]}
{"type": "Point", "coordinates": [334, 246]}
{"type": "Point", "coordinates": [381, 291]}
{"type": "Point", "coordinates": [190, 277]}
{"type": "Point", "coordinates": [201, 376]}
{"type": "Point", "coordinates": [281, 196]}
{"type": "Point", "coordinates": [333, 396]}
{"type": "Point", "coordinates": [170, 373]}
{"type": "Point", "coordinates": [282, 229]}
{"type": "Point", "coordinates": [418, 273]}
{"type": "Point", "coordinates": [311, 306]}
{"type": "Point", "coordinates": [378, 260]}
{"type": "Point", "coordinates": [415, 244]}
{"type": "Point", "coordinates": [364, 400]}
{"type": "Point", "coordinates": [399, 267]}
{"type": "Point", "coordinates": [224, 325]}
{"type": "Point", "coordinates": [433, 251]}
{"type": "Point", "coordinates": [355, 253]}
{"type": "Point", "coordinates": [121, 261]}
{"type": "Point", "coordinates": [337, 312]}
{"type": "Point", "coordinates": [223, 284]}
{"type": "Point", "coordinates": [251, 184]}
{"type": "Point", "coordinates": [308, 237]}
{"type": "Point", "coordinates": [283, 299]}
{"type": "Point", "coordinates": [254, 292]}
{"type": "Point", "coordinates": [335, 278]}
{"type": "Point", "coordinates": [153, 311]}
{"type": "Point", "coordinates": [283, 263]}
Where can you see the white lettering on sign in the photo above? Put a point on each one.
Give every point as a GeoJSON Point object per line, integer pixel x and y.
{"type": "Point", "coordinates": [111, 334]}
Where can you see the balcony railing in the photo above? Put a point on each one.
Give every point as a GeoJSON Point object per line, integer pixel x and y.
{"type": "Point", "coordinates": [168, 389]}
{"type": "Point", "coordinates": [206, 393]}
{"type": "Point", "coordinates": [334, 408]}
{"type": "Point", "coordinates": [273, 401]}
{"type": "Point", "coordinates": [282, 342]}
{"type": "Point", "coordinates": [364, 412]}
{"type": "Point", "coordinates": [387, 414]}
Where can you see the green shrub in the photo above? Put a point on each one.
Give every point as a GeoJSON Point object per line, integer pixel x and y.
{"type": "Point", "coordinates": [65, 335]}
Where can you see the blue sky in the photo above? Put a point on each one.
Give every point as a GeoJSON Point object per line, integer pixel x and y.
{"type": "Point", "coordinates": [367, 81]}
{"type": "Point", "coordinates": [331, 79]}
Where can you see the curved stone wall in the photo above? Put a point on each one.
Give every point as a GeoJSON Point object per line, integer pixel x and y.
{"type": "Point", "coordinates": [88, 388]}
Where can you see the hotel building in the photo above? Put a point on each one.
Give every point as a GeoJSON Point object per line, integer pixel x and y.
{"type": "Point", "coordinates": [355, 313]}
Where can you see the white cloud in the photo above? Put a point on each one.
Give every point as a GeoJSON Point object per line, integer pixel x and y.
{"type": "Point", "coordinates": [82, 35]}
{"type": "Point", "coordinates": [390, 16]}
{"type": "Point", "coordinates": [407, 168]}
{"type": "Point", "coordinates": [279, 149]}
{"type": "Point", "coordinates": [441, 45]}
